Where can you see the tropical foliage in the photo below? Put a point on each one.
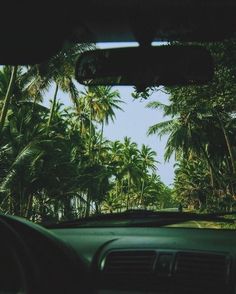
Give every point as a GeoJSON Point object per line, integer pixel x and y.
{"type": "Point", "coordinates": [201, 129]}
{"type": "Point", "coordinates": [55, 163]}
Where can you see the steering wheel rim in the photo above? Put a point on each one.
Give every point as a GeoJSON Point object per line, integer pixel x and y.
{"type": "Point", "coordinates": [22, 256]}
{"type": "Point", "coordinates": [48, 264]}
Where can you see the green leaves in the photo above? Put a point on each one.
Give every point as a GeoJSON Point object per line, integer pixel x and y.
{"type": "Point", "coordinates": [55, 163]}
{"type": "Point", "coordinates": [200, 133]}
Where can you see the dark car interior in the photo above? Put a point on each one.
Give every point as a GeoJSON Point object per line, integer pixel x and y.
{"type": "Point", "coordinates": [114, 255]}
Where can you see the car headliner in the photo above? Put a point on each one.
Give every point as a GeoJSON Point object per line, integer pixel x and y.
{"type": "Point", "coordinates": [32, 31]}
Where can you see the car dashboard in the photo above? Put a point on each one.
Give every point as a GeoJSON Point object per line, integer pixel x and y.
{"type": "Point", "coordinates": [102, 260]}
{"type": "Point", "coordinates": [155, 260]}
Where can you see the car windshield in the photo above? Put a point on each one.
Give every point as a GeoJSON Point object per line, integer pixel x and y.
{"type": "Point", "coordinates": [68, 151]}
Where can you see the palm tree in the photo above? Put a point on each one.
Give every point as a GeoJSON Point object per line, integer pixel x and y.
{"type": "Point", "coordinates": [193, 183]}
{"type": "Point", "coordinates": [100, 102]}
{"type": "Point", "coordinates": [59, 71]}
{"type": "Point", "coordinates": [13, 89]}
{"type": "Point", "coordinates": [148, 162]}
{"type": "Point", "coordinates": [154, 195]}
{"type": "Point", "coordinates": [112, 203]}
{"type": "Point", "coordinates": [38, 172]}
{"type": "Point", "coordinates": [7, 98]}
{"type": "Point", "coordinates": [110, 101]}
{"type": "Point", "coordinates": [190, 132]}
{"type": "Point", "coordinates": [130, 169]}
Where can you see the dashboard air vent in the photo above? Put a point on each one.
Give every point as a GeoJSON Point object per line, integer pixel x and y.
{"type": "Point", "coordinates": [165, 272]}
{"type": "Point", "coordinates": [129, 262]}
{"type": "Point", "coordinates": [128, 269]}
{"type": "Point", "coordinates": [201, 271]}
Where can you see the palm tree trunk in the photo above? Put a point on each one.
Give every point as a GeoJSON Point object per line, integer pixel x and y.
{"type": "Point", "coordinates": [53, 106]}
{"type": "Point", "coordinates": [128, 196]}
{"type": "Point", "coordinates": [210, 164]}
{"type": "Point", "coordinates": [90, 131]}
{"type": "Point", "coordinates": [212, 177]}
{"type": "Point", "coordinates": [230, 150]}
{"type": "Point", "coordinates": [116, 188]}
{"type": "Point", "coordinates": [29, 206]}
{"type": "Point", "coordinates": [87, 213]}
{"type": "Point", "coordinates": [34, 104]}
{"type": "Point", "coordinates": [67, 208]}
{"type": "Point", "coordinates": [11, 211]}
{"type": "Point", "coordinates": [7, 98]}
{"type": "Point", "coordinates": [142, 190]}
{"type": "Point", "coordinates": [101, 139]}
{"type": "Point", "coordinates": [230, 180]}
{"type": "Point", "coordinates": [228, 145]}
{"type": "Point", "coordinates": [97, 207]}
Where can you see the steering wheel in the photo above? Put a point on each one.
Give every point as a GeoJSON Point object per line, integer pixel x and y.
{"type": "Point", "coordinates": [17, 270]}
{"type": "Point", "coordinates": [34, 260]}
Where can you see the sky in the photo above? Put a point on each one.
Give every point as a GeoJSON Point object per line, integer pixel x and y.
{"type": "Point", "coordinates": [134, 121]}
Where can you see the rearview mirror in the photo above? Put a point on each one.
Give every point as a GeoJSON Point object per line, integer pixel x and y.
{"type": "Point", "coordinates": [145, 67]}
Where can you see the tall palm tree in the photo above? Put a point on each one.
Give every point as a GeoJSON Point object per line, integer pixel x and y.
{"type": "Point", "coordinates": [148, 162]}
{"type": "Point", "coordinates": [190, 132]}
{"type": "Point", "coordinates": [17, 85]}
{"type": "Point", "coordinates": [100, 102]}
{"type": "Point", "coordinates": [7, 98]}
{"type": "Point", "coordinates": [130, 169]}
{"type": "Point", "coordinates": [59, 71]}
{"type": "Point", "coordinates": [110, 100]}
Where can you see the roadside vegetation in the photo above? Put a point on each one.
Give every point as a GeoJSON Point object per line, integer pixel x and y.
{"type": "Point", "coordinates": [55, 163]}
{"type": "Point", "coordinates": [201, 128]}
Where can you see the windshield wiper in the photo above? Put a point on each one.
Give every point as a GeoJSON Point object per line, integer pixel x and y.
{"type": "Point", "coordinates": [139, 218]}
